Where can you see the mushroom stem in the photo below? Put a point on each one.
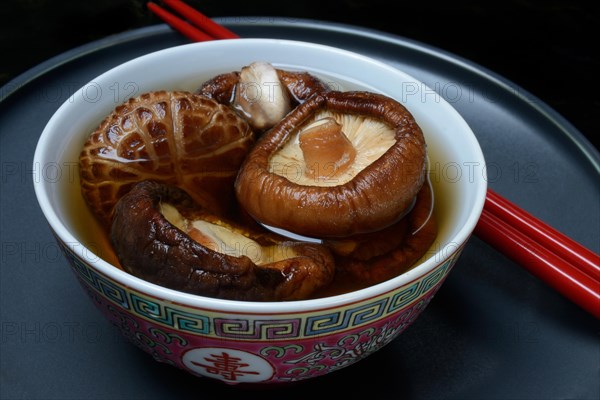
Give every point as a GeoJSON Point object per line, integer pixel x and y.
{"type": "Point", "coordinates": [260, 96]}
{"type": "Point", "coordinates": [326, 149]}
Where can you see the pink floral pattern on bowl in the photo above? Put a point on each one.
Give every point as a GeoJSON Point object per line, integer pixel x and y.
{"type": "Point", "coordinates": [268, 348]}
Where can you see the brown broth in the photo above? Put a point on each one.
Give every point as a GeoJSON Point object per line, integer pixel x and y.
{"type": "Point", "coordinates": [93, 237]}
{"type": "Point", "coordinates": [96, 239]}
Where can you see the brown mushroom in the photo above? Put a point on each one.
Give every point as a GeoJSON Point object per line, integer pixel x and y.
{"type": "Point", "coordinates": [367, 165]}
{"type": "Point", "coordinates": [159, 234]}
{"type": "Point", "coordinates": [375, 257]}
{"type": "Point", "coordinates": [173, 137]}
{"type": "Point", "coordinates": [262, 93]}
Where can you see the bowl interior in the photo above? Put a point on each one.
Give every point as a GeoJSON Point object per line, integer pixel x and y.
{"type": "Point", "coordinates": [457, 169]}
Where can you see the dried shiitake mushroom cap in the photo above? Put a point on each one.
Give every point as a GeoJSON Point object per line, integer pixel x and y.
{"type": "Point", "coordinates": [174, 137]}
{"type": "Point", "coordinates": [278, 188]}
{"type": "Point", "coordinates": [159, 234]}
{"type": "Point", "coordinates": [262, 93]}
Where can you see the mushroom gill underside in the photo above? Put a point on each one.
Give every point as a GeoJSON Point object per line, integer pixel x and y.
{"type": "Point", "coordinates": [340, 164]}
{"type": "Point", "coordinates": [314, 156]}
{"type": "Point", "coordinates": [162, 236]}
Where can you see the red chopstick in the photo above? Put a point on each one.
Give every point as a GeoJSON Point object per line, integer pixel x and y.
{"type": "Point", "coordinates": [178, 24]}
{"type": "Point", "coordinates": [206, 29]}
{"type": "Point", "coordinates": [569, 250]}
{"type": "Point", "coordinates": [201, 21]}
{"type": "Point", "coordinates": [515, 243]}
{"type": "Point", "coordinates": [565, 265]}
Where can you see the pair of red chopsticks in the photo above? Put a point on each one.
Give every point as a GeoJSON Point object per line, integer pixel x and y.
{"type": "Point", "coordinates": [565, 265]}
{"type": "Point", "coordinates": [562, 263]}
{"type": "Point", "coordinates": [200, 28]}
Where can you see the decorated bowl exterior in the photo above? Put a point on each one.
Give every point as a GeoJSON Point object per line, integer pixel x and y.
{"type": "Point", "coordinates": [253, 342]}
{"type": "Point", "coordinates": [254, 347]}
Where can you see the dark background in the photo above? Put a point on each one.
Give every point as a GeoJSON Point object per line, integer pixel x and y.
{"type": "Point", "coordinates": [541, 46]}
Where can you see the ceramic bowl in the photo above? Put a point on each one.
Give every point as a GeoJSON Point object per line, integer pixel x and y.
{"type": "Point", "coordinates": [258, 342]}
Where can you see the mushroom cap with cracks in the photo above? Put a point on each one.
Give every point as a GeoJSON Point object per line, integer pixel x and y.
{"type": "Point", "coordinates": [173, 137]}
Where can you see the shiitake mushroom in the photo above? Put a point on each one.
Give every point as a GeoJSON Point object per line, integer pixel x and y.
{"type": "Point", "coordinates": [339, 164]}
{"type": "Point", "coordinates": [345, 166]}
{"type": "Point", "coordinates": [378, 256]}
{"type": "Point", "coordinates": [161, 235]}
{"type": "Point", "coordinates": [174, 137]}
{"type": "Point", "coordinates": [261, 93]}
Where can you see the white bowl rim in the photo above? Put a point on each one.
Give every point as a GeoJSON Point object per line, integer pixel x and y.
{"type": "Point", "coordinates": [247, 307]}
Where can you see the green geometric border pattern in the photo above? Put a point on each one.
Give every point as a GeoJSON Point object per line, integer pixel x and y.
{"type": "Point", "coordinates": [256, 326]}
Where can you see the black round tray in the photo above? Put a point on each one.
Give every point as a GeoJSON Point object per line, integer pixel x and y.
{"type": "Point", "coordinates": [492, 331]}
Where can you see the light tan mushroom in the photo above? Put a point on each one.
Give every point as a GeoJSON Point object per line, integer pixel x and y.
{"type": "Point", "coordinates": [260, 96]}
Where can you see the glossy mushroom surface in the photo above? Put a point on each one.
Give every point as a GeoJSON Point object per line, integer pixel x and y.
{"type": "Point", "coordinates": [375, 257]}
{"type": "Point", "coordinates": [159, 234]}
{"type": "Point", "coordinates": [261, 93]}
{"type": "Point", "coordinates": [277, 186]}
{"type": "Point", "coordinates": [178, 138]}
